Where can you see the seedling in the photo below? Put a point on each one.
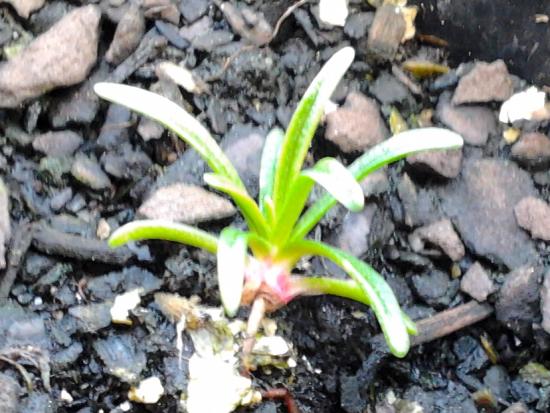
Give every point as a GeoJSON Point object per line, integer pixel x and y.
{"type": "Point", "coordinates": [255, 266]}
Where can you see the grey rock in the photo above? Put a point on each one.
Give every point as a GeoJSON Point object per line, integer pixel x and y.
{"type": "Point", "coordinates": [481, 204]}
{"type": "Point", "coordinates": [121, 357]}
{"type": "Point", "coordinates": [62, 56]}
{"type": "Point", "coordinates": [9, 396]}
{"type": "Point", "coordinates": [477, 283]}
{"type": "Point", "coordinates": [24, 8]}
{"type": "Point", "coordinates": [387, 89]}
{"type": "Point", "coordinates": [521, 390]}
{"type": "Point", "coordinates": [48, 15]}
{"type": "Point", "coordinates": [38, 402]}
{"type": "Point", "coordinates": [375, 183]}
{"type": "Point", "coordinates": [355, 229]}
{"type": "Point", "coordinates": [88, 172]}
{"type": "Point", "coordinates": [92, 317]}
{"type": "Point", "coordinates": [186, 203]}
{"type": "Point", "coordinates": [114, 131]}
{"type": "Point", "coordinates": [59, 199]}
{"type": "Point", "coordinates": [358, 24]}
{"type": "Point", "coordinates": [126, 163]}
{"type": "Point", "coordinates": [5, 225]}
{"type": "Point", "coordinates": [212, 40]}
{"type": "Point", "coordinates": [533, 215]}
{"type": "Point", "coordinates": [532, 149]}
{"type": "Point", "coordinates": [518, 407]}
{"type": "Point", "coordinates": [196, 29]}
{"type": "Point", "coordinates": [59, 143]}
{"type": "Point", "coordinates": [171, 33]}
{"type": "Point", "coordinates": [127, 36]}
{"type": "Point", "coordinates": [545, 302]}
{"type": "Point", "coordinates": [486, 82]}
{"type": "Point", "coordinates": [161, 9]}
{"type": "Point", "coordinates": [107, 286]}
{"type": "Point", "coordinates": [442, 234]}
{"type": "Point", "coordinates": [193, 9]}
{"type": "Point", "coordinates": [497, 380]}
{"type": "Point", "coordinates": [419, 204]}
{"type": "Point", "coordinates": [473, 123]}
{"type": "Point", "coordinates": [53, 168]}
{"type": "Point", "coordinates": [357, 125]}
{"type": "Point", "coordinates": [435, 288]}
{"type": "Point", "coordinates": [350, 395]}
{"type": "Point", "coordinates": [517, 305]}
{"type": "Point", "coordinates": [149, 129]}
{"type": "Point", "coordinates": [67, 356]}
{"type": "Point", "coordinates": [386, 32]}
{"type": "Point", "coordinates": [443, 163]}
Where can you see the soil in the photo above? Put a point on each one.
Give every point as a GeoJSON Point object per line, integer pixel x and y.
{"type": "Point", "coordinates": [444, 229]}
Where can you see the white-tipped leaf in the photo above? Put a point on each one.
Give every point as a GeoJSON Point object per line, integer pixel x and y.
{"type": "Point", "coordinates": [339, 182]}
{"type": "Point", "coordinates": [232, 251]}
{"type": "Point", "coordinates": [175, 118]}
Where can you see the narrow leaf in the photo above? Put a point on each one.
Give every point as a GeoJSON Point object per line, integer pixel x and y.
{"type": "Point", "coordinates": [270, 155]}
{"type": "Point", "coordinates": [305, 120]}
{"type": "Point", "coordinates": [401, 145]}
{"type": "Point", "coordinates": [248, 207]}
{"type": "Point", "coordinates": [165, 230]}
{"type": "Point", "coordinates": [338, 181]}
{"type": "Point", "coordinates": [379, 294]}
{"type": "Point", "coordinates": [231, 259]}
{"type": "Point", "coordinates": [175, 118]}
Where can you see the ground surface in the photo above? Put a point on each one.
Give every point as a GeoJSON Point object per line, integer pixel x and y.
{"type": "Point", "coordinates": [445, 229]}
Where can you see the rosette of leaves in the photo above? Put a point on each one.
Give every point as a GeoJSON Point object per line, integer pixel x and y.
{"type": "Point", "coordinates": [255, 266]}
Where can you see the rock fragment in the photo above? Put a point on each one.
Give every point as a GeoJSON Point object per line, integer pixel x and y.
{"type": "Point", "coordinates": [88, 172]}
{"type": "Point", "coordinates": [62, 56]}
{"type": "Point", "coordinates": [442, 234]}
{"type": "Point", "coordinates": [387, 31]}
{"type": "Point", "coordinates": [477, 283]}
{"type": "Point", "coordinates": [121, 357]}
{"type": "Point", "coordinates": [444, 163]}
{"type": "Point", "coordinates": [357, 125]}
{"type": "Point", "coordinates": [518, 407]}
{"type": "Point", "coordinates": [486, 82]}
{"type": "Point", "coordinates": [92, 317]}
{"type": "Point", "coordinates": [533, 215]}
{"type": "Point", "coordinates": [481, 205]}
{"type": "Point", "coordinates": [127, 36]}
{"type": "Point", "coordinates": [60, 143]}
{"type": "Point", "coordinates": [435, 288]}
{"type": "Point", "coordinates": [473, 123]}
{"type": "Point", "coordinates": [532, 149]}
{"type": "Point", "coordinates": [24, 8]}
{"type": "Point", "coordinates": [545, 302]}
{"type": "Point", "coordinates": [186, 203]}
{"type": "Point", "coordinates": [9, 397]}
{"type": "Point", "coordinates": [518, 300]}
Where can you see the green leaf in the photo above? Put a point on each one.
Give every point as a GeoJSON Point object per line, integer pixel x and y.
{"type": "Point", "coordinates": [248, 207]}
{"type": "Point", "coordinates": [378, 293]}
{"type": "Point", "coordinates": [165, 230]}
{"type": "Point", "coordinates": [339, 182]}
{"type": "Point", "coordinates": [401, 145]}
{"type": "Point", "coordinates": [270, 155]}
{"type": "Point", "coordinates": [175, 118]}
{"type": "Point", "coordinates": [304, 122]}
{"type": "Point", "coordinates": [331, 175]}
{"type": "Point", "coordinates": [232, 253]}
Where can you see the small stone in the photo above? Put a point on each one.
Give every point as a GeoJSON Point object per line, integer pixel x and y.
{"type": "Point", "coordinates": [186, 203]}
{"type": "Point", "coordinates": [333, 12]}
{"type": "Point", "coordinates": [357, 24]}
{"type": "Point", "coordinates": [62, 56]}
{"type": "Point", "coordinates": [5, 226]}
{"type": "Point", "coordinates": [163, 9]}
{"type": "Point", "coordinates": [518, 407]}
{"type": "Point", "coordinates": [24, 8]}
{"type": "Point", "coordinates": [62, 143]}
{"type": "Point", "coordinates": [59, 199]}
{"type": "Point", "coordinates": [511, 135]}
{"type": "Point", "coordinates": [477, 283]}
{"type": "Point", "coordinates": [357, 125]}
{"type": "Point", "coordinates": [486, 82]}
{"type": "Point", "coordinates": [533, 215]}
{"type": "Point", "coordinates": [442, 234]}
{"type": "Point", "coordinates": [527, 105]}
{"type": "Point", "coordinates": [197, 28]}
{"type": "Point", "coordinates": [171, 33]}
{"type": "Point", "coordinates": [88, 172]}
{"type": "Point", "coordinates": [532, 149]}
{"type": "Point", "coordinates": [149, 391]}
{"type": "Point", "coordinates": [193, 9]}
{"type": "Point", "coordinates": [121, 357]}
{"type": "Point", "coordinates": [498, 381]}
{"type": "Point", "coordinates": [9, 396]}
{"type": "Point", "coordinates": [518, 300]}
{"type": "Point", "coordinates": [473, 123]}
{"type": "Point", "coordinates": [126, 162]}
{"type": "Point", "coordinates": [387, 89]}
{"type": "Point", "coordinates": [103, 229]}
{"type": "Point", "coordinates": [127, 36]}
{"type": "Point", "coordinates": [444, 163]}
{"type": "Point", "coordinates": [387, 31]}
{"type": "Point", "coordinates": [481, 206]}
{"type": "Point", "coordinates": [435, 288]}
{"type": "Point", "coordinates": [106, 286]}
{"type": "Point", "coordinates": [114, 131]}
{"type": "Point", "coordinates": [212, 40]}
{"type": "Point", "coordinates": [92, 317]}
{"type": "Point", "coordinates": [375, 183]}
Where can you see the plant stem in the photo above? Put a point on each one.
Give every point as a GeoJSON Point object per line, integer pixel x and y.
{"type": "Point", "coordinates": [254, 319]}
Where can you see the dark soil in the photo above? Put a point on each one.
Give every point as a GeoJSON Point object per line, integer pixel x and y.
{"type": "Point", "coordinates": [440, 229]}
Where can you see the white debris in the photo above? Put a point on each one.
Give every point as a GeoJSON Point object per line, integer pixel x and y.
{"type": "Point", "coordinates": [124, 303]}
{"type": "Point", "coordinates": [66, 396]}
{"type": "Point", "coordinates": [272, 346]}
{"type": "Point", "coordinates": [5, 232]}
{"type": "Point", "coordinates": [103, 229]}
{"type": "Point", "coordinates": [528, 105]}
{"type": "Point", "coordinates": [181, 76]}
{"type": "Point", "coordinates": [333, 12]}
{"type": "Point", "coordinates": [149, 391]}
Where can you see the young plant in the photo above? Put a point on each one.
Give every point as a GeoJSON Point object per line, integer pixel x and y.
{"type": "Point", "coordinates": [255, 266]}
